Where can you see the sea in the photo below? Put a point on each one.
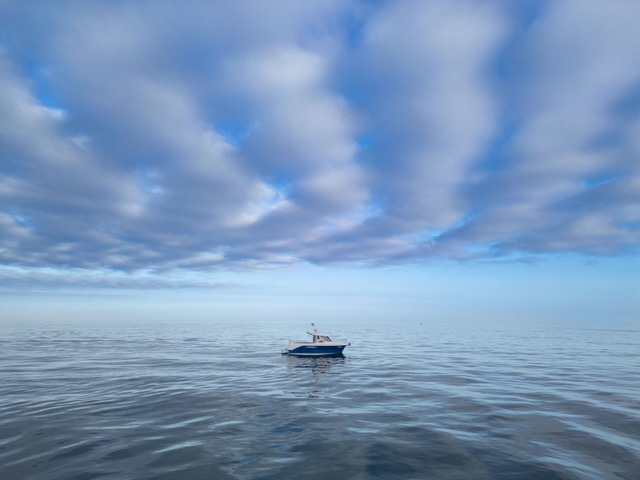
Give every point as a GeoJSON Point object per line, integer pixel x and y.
{"type": "Point", "coordinates": [217, 400]}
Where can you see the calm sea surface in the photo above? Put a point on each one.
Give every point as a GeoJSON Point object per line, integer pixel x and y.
{"type": "Point", "coordinates": [218, 401]}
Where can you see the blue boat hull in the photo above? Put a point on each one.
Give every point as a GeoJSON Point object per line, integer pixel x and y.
{"type": "Point", "coordinates": [317, 351]}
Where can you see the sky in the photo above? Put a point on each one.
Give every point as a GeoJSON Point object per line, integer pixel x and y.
{"type": "Point", "coordinates": [443, 161]}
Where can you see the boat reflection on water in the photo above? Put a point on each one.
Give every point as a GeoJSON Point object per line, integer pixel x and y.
{"type": "Point", "coordinates": [321, 383]}
{"type": "Point", "coordinates": [316, 364]}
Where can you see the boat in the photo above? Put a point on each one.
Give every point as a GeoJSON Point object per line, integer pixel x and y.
{"type": "Point", "coordinates": [320, 345]}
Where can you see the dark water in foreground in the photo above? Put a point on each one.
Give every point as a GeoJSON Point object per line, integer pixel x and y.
{"type": "Point", "coordinates": [218, 401]}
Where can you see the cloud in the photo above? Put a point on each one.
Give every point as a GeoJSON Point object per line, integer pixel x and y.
{"type": "Point", "coordinates": [202, 136]}
{"type": "Point", "coordinates": [302, 132]}
{"type": "Point", "coordinates": [33, 281]}
{"type": "Point", "coordinates": [430, 106]}
{"type": "Point", "coordinates": [562, 174]}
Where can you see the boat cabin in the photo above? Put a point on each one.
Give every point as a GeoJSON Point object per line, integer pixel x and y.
{"type": "Point", "coordinates": [319, 337]}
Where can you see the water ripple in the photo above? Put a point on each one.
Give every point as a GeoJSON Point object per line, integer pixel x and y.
{"type": "Point", "coordinates": [166, 402]}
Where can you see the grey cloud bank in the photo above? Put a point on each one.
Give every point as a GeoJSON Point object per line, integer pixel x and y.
{"type": "Point", "coordinates": [162, 136]}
